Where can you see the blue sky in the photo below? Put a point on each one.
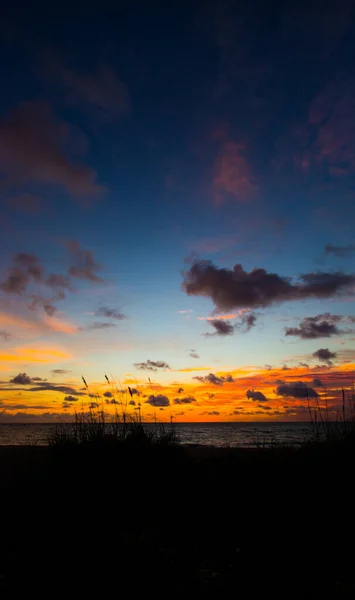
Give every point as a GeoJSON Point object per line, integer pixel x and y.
{"type": "Point", "coordinates": [135, 143]}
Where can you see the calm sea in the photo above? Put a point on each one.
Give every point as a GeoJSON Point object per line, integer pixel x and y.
{"type": "Point", "coordinates": [245, 435]}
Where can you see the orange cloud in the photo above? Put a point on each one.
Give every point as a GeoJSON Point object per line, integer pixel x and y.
{"type": "Point", "coordinates": [55, 324]}
{"type": "Point", "coordinates": [12, 320]}
{"type": "Point", "coordinates": [34, 355]}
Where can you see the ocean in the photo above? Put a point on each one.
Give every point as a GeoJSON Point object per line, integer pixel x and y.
{"type": "Point", "coordinates": [243, 435]}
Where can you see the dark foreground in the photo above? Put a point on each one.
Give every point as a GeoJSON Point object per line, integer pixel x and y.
{"type": "Point", "coordinates": [177, 522]}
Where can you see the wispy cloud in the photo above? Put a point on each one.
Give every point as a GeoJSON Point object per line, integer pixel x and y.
{"type": "Point", "coordinates": [101, 91]}
{"type": "Point", "coordinates": [32, 145]}
{"type": "Point", "coordinates": [110, 313]}
{"type": "Point", "coordinates": [233, 176]}
{"type": "Point", "coordinates": [84, 265]}
{"type": "Point", "coordinates": [340, 251]}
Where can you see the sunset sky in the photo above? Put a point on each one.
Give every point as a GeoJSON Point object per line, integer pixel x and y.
{"type": "Point", "coordinates": [177, 193]}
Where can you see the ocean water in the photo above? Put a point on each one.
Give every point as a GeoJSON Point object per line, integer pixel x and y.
{"type": "Point", "coordinates": [243, 435]}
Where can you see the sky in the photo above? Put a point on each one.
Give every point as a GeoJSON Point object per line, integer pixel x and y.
{"type": "Point", "coordinates": [177, 209]}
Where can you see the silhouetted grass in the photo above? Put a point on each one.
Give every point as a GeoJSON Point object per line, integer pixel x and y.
{"type": "Point", "coordinates": [93, 429]}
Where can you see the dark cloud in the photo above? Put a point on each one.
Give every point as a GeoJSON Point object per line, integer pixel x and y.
{"type": "Point", "coordinates": [151, 365]}
{"type": "Point", "coordinates": [38, 379]}
{"type": "Point", "coordinates": [320, 326]}
{"type": "Point", "coordinates": [325, 354]}
{"type": "Point", "coordinates": [108, 395]}
{"type": "Point", "coordinates": [5, 335]}
{"type": "Point", "coordinates": [27, 269]}
{"type": "Point", "coordinates": [186, 400]}
{"type": "Point", "coordinates": [221, 327]}
{"type": "Point", "coordinates": [32, 145]}
{"type": "Point", "coordinates": [110, 313]}
{"type": "Point", "coordinates": [340, 251]}
{"type": "Point", "coordinates": [249, 320]}
{"type": "Point", "coordinates": [158, 400]}
{"type": "Point", "coordinates": [211, 413]}
{"type": "Point", "coordinates": [63, 389]}
{"type": "Point", "coordinates": [101, 91]}
{"type": "Point", "coordinates": [236, 288]}
{"type": "Point", "coordinates": [256, 396]}
{"type": "Point", "coordinates": [214, 379]}
{"type": "Point", "coordinates": [297, 389]}
{"type": "Point", "coordinates": [70, 398]}
{"type": "Point", "coordinates": [194, 354]}
{"type": "Point", "coordinates": [180, 390]}
{"type": "Point", "coordinates": [60, 371]}
{"type": "Point", "coordinates": [317, 382]}
{"type": "Point", "coordinates": [133, 391]}
{"type": "Point", "coordinates": [84, 266]}
{"type": "Point", "coordinates": [22, 379]}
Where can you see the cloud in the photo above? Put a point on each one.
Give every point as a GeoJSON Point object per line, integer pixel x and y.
{"type": "Point", "coordinates": [214, 379]}
{"type": "Point", "coordinates": [27, 270]}
{"type": "Point", "coordinates": [26, 203]}
{"type": "Point", "coordinates": [158, 400]}
{"type": "Point", "coordinates": [70, 398]}
{"type": "Point", "coordinates": [133, 391]}
{"type": "Point", "coordinates": [50, 387]}
{"type": "Point", "coordinates": [221, 328]}
{"type": "Point", "coordinates": [32, 146]}
{"type": "Point", "coordinates": [108, 395]}
{"type": "Point", "coordinates": [237, 288]}
{"type": "Point", "coordinates": [320, 326]}
{"type": "Point", "coordinates": [332, 127]}
{"type": "Point", "coordinates": [98, 325]}
{"type": "Point", "coordinates": [151, 365]}
{"type": "Point", "coordinates": [317, 382]}
{"type": "Point", "coordinates": [325, 354]}
{"type": "Point", "coordinates": [297, 389]}
{"type": "Point", "coordinates": [184, 312]}
{"type": "Point", "coordinates": [180, 390]}
{"type": "Point", "coordinates": [194, 354]}
{"type": "Point", "coordinates": [84, 265]}
{"type": "Point", "coordinates": [232, 173]}
{"type": "Point", "coordinates": [256, 396]}
{"type": "Point", "coordinates": [60, 371]}
{"type": "Point", "coordinates": [186, 400]}
{"type": "Point", "coordinates": [5, 335]}
{"type": "Point", "coordinates": [211, 413]}
{"type": "Point", "coordinates": [340, 251]}
{"type": "Point", "coordinates": [22, 379]}
{"type": "Point", "coordinates": [110, 313]}
{"type": "Point", "coordinates": [102, 90]}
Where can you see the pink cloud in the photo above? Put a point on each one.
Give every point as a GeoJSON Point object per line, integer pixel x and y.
{"type": "Point", "coordinates": [27, 203]}
{"type": "Point", "coordinates": [331, 116]}
{"type": "Point", "coordinates": [102, 90]}
{"type": "Point", "coordinates": [32, 145]}
{"type": "Point", "coordinates": [233, 175]}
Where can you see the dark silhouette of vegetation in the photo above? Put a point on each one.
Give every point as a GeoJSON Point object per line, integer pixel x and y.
{"type": "Point", "coordinates": [111, 506]}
